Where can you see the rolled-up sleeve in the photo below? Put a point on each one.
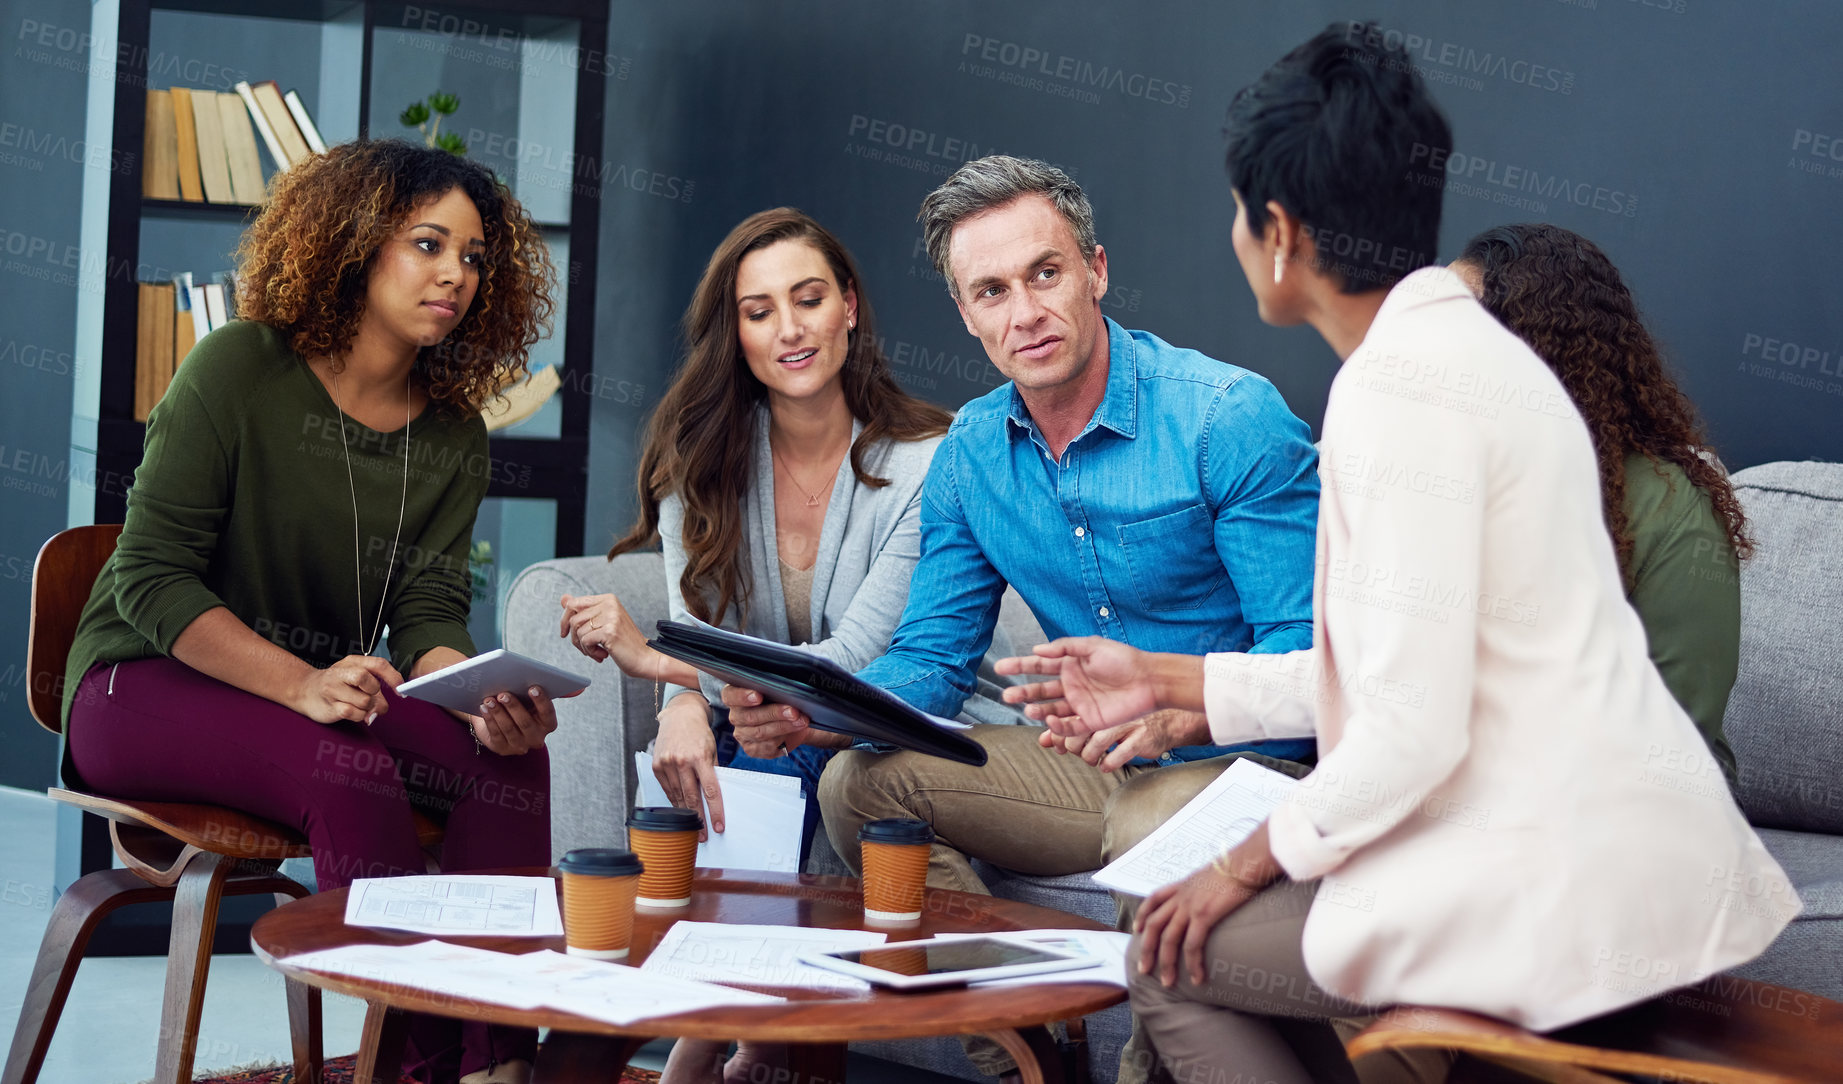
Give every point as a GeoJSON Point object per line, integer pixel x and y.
{"type": "Point", "coordinates": [1399, 641]}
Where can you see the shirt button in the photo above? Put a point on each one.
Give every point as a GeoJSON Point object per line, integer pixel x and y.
{"type": "Point", "coordinates": [1079, 532]}
{"type": "Point", "coordinates": [1103, 611]}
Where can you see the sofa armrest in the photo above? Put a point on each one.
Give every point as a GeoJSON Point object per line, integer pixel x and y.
{"type": "Point", "coordinates": [591, 754]}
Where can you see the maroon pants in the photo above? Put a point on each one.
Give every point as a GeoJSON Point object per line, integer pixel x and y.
{"type": "Point", "coordinates": [158, 730]}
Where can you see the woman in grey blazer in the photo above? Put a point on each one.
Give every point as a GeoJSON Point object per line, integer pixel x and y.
{"type": "Point", "coordinates": [782, 476]}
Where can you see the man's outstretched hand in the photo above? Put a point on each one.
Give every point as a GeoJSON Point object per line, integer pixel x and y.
{"type": "Point", "coordinates": [1095, 684]}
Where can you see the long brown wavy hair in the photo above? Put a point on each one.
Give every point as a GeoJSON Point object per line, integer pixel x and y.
{"type": "Point", "coordinates": [1558, 292]}
{"type": "Point", "coordinates": [302, 265]}
{"type": "Point", "coordinates": [697, 442]}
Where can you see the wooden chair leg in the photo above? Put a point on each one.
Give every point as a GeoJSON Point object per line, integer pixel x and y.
{"type": "Point", "coordinates": [188, 962]}
{"type": "Point", "coordinates": [73, 920]}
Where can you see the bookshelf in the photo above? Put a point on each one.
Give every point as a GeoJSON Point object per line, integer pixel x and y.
{"type": "Point", "coordinates": [529, 45]}
{"type": "Point", "coordinates": [357, 64]}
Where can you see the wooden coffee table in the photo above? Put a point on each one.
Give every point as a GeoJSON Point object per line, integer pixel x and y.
{"type": "Point", "coordinates": [819, 1022]}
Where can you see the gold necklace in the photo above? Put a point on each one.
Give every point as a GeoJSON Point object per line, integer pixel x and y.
{"type": "Point", "coordinates": [812, 499]}
{"type": "Point", "coordinates": [369, 644]}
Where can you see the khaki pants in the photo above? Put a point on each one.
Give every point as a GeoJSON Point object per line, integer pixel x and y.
{"type": "Point", "coordinates": [1027, 809]}
{"type": "Point", "coordinates": [1260, 1016]}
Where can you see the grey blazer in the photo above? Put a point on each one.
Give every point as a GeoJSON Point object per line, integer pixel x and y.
{"type": "Point", "coordinates": [867, 548]}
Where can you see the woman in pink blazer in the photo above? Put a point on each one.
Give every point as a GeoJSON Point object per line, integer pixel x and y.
{"type": "Point", "coordinates": [1499, 820]}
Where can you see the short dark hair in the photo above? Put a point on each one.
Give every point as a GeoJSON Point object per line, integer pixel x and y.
{"type": "Point", "coordinates": [1343, 134]}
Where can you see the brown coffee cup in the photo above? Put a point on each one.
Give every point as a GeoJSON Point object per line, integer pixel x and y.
{"type": "Point", "coordinates": [895, 861]}
{"type": "Point", "coordinates": [666, 839]}
{"type": "Point", "coordinates": [599, 884]}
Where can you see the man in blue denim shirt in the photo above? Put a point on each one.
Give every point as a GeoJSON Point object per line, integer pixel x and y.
{"type": "Point", "coordinates": [1126, 487]}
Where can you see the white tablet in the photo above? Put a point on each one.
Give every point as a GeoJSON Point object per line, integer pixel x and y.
{"type": "Point", "coordinates": [947, 961]}
{"type": "Point", "coordinates": [462, 686]}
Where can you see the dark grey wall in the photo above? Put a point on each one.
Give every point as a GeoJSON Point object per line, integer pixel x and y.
{"type": "Point", "coordinates": [1666, 130]}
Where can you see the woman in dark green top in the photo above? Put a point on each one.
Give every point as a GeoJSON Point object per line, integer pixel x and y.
{"type": "Point", "coordinates": [310, 479]}
{"type": "Point", "coordinates": [1675, 522]}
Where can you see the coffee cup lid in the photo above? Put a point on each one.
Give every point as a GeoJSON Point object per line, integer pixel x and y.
{"type": "Point", "coordinates": [896, 830]}
{"type": "Point", "coordinates": [664, 818]}
{"type": "Point", "coordinates": [600, 862]}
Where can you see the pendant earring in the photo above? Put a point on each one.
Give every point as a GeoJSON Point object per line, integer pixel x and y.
{"type": "Point", "coordinates": [1279, 266]}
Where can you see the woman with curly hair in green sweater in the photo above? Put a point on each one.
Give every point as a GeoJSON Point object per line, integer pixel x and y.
{"type": "Point", "coordinates": [310, 479]}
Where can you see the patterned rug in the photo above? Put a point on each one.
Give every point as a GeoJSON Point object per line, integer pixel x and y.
{"type": "Point", "coordinates": [339, 1071]}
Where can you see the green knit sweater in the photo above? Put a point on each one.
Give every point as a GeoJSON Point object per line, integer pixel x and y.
{"type": "Point", "coordinates": [1686, 587]}
{"type": "Point", "coordinates": [242, 500]}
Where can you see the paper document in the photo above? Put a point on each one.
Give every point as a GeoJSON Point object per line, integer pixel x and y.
{"type": "Point", "coordinates": [755, 955]}
{"type": "Point", "coordinates": [461, 905]}
{"type": "Point", "coordinates": [763, 818]}
{"type": "Point", "coordinates": [1107, 948]}
{"type": "Point", "coordinates": [435, 966]}
{"type": "Point", "coordinates": [1227, 812]}
{"type": "Point", "coordinates": [596, 989]}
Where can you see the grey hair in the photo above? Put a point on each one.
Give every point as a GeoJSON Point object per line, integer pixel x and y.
{"type": "Point", "coordinates": [992, 181]}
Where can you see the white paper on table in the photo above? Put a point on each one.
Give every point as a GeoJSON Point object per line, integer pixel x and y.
{"type": "Point", "coordinates": [619, 994]}
{"type": "Point", "coordinates": [1227, 812]}
{"type": "Point", "coordinates": [462, 904]}
{"type": "Point", "coordinates": [596, 989]}
{"type": "Point", "coordinates": [1106, 947]}
{"type": "Point", "coordinates": [755, 955]}
{"type": "Point", "coordinates": [764, 817]}
{"type": "Point", "coordinates": [435, 966]}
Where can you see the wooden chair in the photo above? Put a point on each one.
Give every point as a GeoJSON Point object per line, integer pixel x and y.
{"type": "Point", "coordinates": [193, 855]}
{"type": "Point", "coordinates": [1721, 1031]}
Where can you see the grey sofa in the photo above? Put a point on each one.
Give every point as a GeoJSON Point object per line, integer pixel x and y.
{"type": "Point", "coordinates": [592, 767]}
{"type": "Point", "coordinates": [1785, 716]}
{"type": "Point", "coordinates": [1785, 722]}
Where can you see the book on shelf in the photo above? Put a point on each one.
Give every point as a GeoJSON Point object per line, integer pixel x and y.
{"type": "Point", "coordinates": [153, 347]}
{"type": "Point", "coordinates": [213, 164]}
{"type": "Point", "coordinates": [215, 307]}
{"type": "Point", "coordinates": [268, 99]}
{"type": "Point", "coordinates": [191, 187]}
{"type": "Point", "coordinates": [277, 153]}
{"type": "Point", "coordinates": [160, 148]}
{"type": "Point", "coordinates": [309, 131]}
{"type": "Point", "coordinates": [185, 333]}
{"type": "Point", "coordinates": [240, 148]}
{"type": "Point", "coordinates": [195, 304]}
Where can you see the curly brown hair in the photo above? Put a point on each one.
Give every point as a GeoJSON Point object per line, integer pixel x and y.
{"type": "Point", "coordinates": [696, 443]}
{"type": "Point", "coordinates": [1559, 293]}
{"type": "Point", "coordinates": [302, 265]}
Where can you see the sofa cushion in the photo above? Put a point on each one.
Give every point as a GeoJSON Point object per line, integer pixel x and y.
{"type": "Point", "coordinates": [1785, 716]}
{"type": "Point", "coordinates": [591, 754]}
{"type": "Point", "coordinates": [1808, 954]}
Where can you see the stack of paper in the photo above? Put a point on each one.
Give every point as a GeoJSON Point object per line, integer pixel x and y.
{"type": "Point", "coordinates": [763, 818]}
{"type": "Point", "coordinates": [755, 955]}
{"type": "Point", "coordinates": [611, 992]}
{"type": "Point", "coordinates": [475, 905]}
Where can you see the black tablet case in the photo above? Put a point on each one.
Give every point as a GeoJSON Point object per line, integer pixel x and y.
{"type": "Point", "coordinates": [832, 697]}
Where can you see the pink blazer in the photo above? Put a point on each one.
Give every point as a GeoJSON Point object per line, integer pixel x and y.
{"type": "Point", "coordinates": [1511, 813]}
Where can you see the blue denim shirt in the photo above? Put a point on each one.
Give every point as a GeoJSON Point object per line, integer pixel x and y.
{"type": "Point", "coordinates": [1182, 518]}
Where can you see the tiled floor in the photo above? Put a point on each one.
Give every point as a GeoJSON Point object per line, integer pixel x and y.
{"type": "Point", "coordinates": [111, 1021]}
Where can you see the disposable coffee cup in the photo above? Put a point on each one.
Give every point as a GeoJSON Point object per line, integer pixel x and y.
{"type": "Point", "coordinates": [599, 884]}
{"type": "Point", "coordinates": [666, 839]}
{"type": "Point", "coordinates": [895, 861]}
